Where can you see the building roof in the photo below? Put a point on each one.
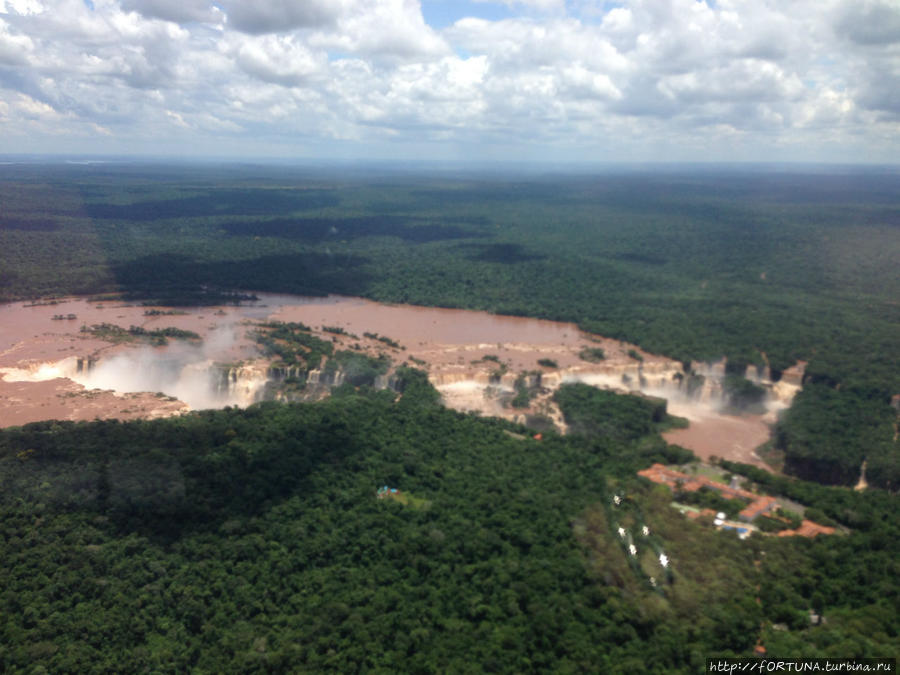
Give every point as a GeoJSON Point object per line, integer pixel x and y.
{"type": "Point", "coordinates": [761, 505]}
{"type": "Point", "coordinates": [659, 473]}
{"type": "Point", "coordinates": [807, 529]}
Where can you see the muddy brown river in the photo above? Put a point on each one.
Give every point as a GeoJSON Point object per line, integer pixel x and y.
{"type": "Point", "coordinates": [39, 358]}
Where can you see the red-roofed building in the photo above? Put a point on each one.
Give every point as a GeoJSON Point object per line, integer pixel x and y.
{"type": "Point", "coordinates": [807, 529]}
{"type": "Point", "coordinates": [760, 506]}
{"type": "Point", "coordinates": [682, 481]}
{"type": "Point", "coordinates": [692, 486]}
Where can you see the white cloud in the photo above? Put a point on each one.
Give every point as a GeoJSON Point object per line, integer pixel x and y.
{"type": "Point", "coordinates": [178, 11]}
{"type": "Point", "coordinates": [177, 118]}
{"type": "Point", "coordinates": [633, 76]}
{"type": "Point", "coordinates": [35, 109]}
{"type": "Point", "coordinates": [392, 29]}
{"type": "Point", "coordinates": [14, 49]}
{"type": "Point", "coordinates": [740, 80]}
{"type": "Point", "coordinates": [279, 59]}
{"type": "Point", "coordinates": [21, 7]}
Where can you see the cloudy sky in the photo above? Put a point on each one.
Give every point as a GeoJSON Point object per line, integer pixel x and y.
{"type": "Point", "coordinates": [521, 80]}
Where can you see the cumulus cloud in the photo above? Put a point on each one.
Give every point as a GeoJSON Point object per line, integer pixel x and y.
{"type": "Point", "coordinates": [21, 6]}
{"type": "Point", "coordinates": [384, 28]}
{"type": "Point", "coordinates": [869, 22]}
{"type": "Point", "coordinates": [278, 59]}
{"type": "Point", "coordinates": [178, 11]}
{"type": "Point", "coordinates": [279, 16]}
{"type": "Point", "coordinates": [627, 77]}
{"type": "Point", "coordinates": [14, 49]}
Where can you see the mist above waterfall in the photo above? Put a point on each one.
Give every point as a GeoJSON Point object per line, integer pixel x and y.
{"type": "Point", "coordinates": [189, 373]}
{"type": "Point", "coordinates": [704, 392]}
{"type": "Point", "coordinates": [179, 373]}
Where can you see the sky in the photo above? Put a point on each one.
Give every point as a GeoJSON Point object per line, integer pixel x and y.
{"type": "Point", "coordinates": [582, 81]}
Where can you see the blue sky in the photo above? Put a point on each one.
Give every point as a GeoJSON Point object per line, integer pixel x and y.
{"type": "Point", "coordinates": [443, 13]}
{"type": "Point", "coordinates": [518, 80]}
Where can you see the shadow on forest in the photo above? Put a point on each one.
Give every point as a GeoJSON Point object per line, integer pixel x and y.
{"type": "Point", "coordinates": [316, 230]}
{"type": "Point", "coordinates": [226, 202]}
{"type": "Point", "coordinates": [507, 254]}
{"type": "Point", "coordinates": [167, 480]}
{"type": "Point", "coordinates": [30, 224]}
{"type": "Point", "coordinates": [178, 279]}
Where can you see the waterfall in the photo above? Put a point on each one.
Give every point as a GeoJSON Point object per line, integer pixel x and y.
{"type": "Point", "coordinates": [42, 370]}
{"type": "Point", "coordinates": [85, 364]}
{"type": "Point", "coordinates": [702, 384]}
{"type": "Point", "coordinates": [235, 385]}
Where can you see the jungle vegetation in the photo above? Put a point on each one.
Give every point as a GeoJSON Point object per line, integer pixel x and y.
{"type": "Point", "coordinates": [252, 540]}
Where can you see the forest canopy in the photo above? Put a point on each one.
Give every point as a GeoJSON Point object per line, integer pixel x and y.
{"type": "Point", "coordinates": [254, 540]}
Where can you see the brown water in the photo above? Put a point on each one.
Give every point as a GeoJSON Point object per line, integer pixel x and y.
{"type": "Point", "coordinates": [451, 336]}
{"type": "Point", "coordinates": [413, 325]}
{"type": "Point", "coordinates": [452, 342]}
{"type": "Point", "coordinates": [724, 436]}
{"type": "Point", "coordinates": [29, 334]}
{"type": "Point", "coordinates": [37, 352]}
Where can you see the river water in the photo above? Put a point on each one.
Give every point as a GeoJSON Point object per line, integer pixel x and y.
{"type": "Point", "coordinates": [38, 356]}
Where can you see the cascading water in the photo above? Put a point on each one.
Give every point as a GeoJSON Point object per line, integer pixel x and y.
{"type": "Point", "coordinates": [703, 384]}
{"type": "Point", "coordinates": [237, 385]}
{"type": "Point", "coordinates": [182, 374]}
{"type": "Point", "coordinates": [42, 371]}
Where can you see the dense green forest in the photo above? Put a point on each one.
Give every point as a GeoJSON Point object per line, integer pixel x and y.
{"type": "Point", "coordinates": [760, 264]}
{"type": "Point", "coordinates": [594, 412]}
{"type": "Point", "coordinates": [254, 541]}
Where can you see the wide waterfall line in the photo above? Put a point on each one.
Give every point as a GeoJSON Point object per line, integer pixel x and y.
{"type": "Point", "coordinates": [190, 376]}
{"type": "Point", "coordinates": [702, 388]}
